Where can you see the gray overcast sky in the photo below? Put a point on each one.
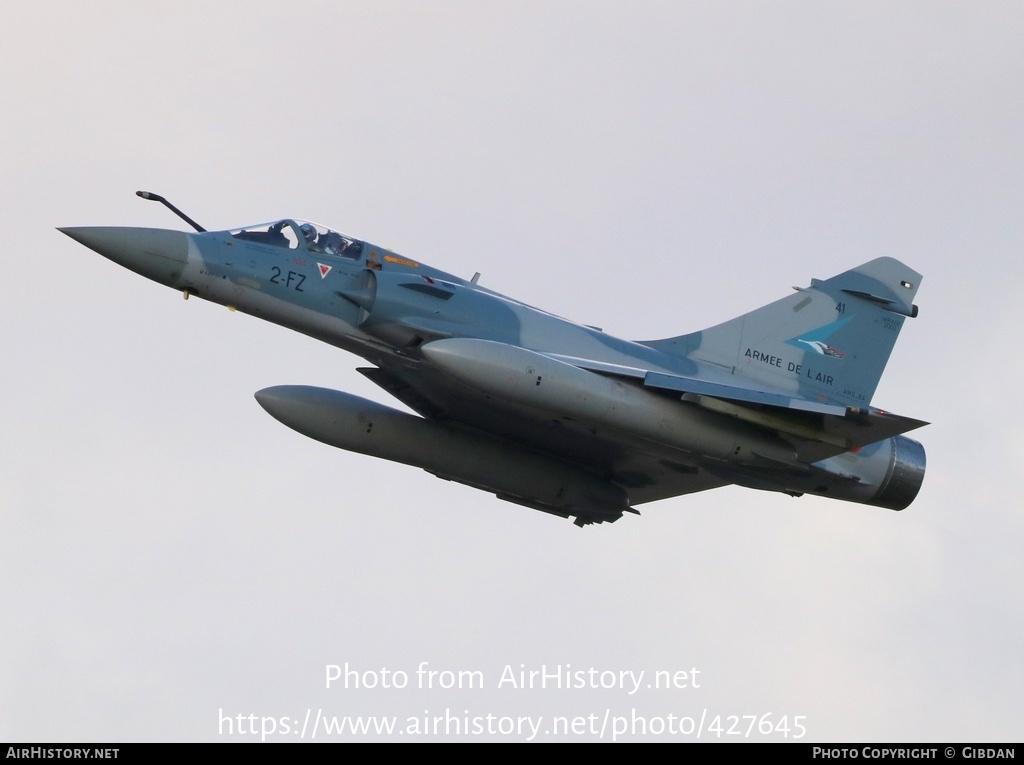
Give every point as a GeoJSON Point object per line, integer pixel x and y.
{"type": "Point", "coordinates": [169, 553]}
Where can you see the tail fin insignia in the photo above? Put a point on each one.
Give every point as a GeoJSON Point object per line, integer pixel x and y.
{"type": "Point", "coordinates": [828, 342]}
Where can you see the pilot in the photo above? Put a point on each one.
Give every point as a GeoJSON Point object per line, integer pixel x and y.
{"type": "Point", "coordinates": [309, 234]}
{"type": "Point", "coordinates": [333, 243]}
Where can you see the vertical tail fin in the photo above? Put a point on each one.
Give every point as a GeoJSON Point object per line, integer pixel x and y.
{"type": "Point", "coordinates": [827, 342]}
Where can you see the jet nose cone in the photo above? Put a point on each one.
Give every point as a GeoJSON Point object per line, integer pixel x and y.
{"type": "Point", "coordinates": [155, 253]}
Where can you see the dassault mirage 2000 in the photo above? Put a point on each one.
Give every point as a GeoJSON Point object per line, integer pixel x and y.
{"type": "Point", "coordinates": [554, 415]}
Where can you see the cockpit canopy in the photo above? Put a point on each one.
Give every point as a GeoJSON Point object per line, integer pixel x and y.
{"type": "Point", "coordinates": [301, 234]}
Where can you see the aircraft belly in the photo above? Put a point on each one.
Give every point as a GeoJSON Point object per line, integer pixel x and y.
{"type": "Point", "coordinates": [537, 429]}
{"type": "Point", "coordinates": [646, 471]}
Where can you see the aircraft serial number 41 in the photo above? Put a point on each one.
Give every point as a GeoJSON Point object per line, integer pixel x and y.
{"type": "Point", "coordinates": [554, 415]}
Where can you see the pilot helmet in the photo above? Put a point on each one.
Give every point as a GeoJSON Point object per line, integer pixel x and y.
{"type": "Point", "coordinates": [308, 232]}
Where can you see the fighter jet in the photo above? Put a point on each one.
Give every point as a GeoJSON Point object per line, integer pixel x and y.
{"type": "Point", "coordinates": [554, 415]}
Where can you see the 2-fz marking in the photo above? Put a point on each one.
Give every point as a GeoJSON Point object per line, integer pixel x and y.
{"type": "Point", "coordinates": [292, 280]}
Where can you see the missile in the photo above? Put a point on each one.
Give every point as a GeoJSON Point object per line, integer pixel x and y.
{"type": "Point", "coordinates": [509, 471]}
{"type": "Point", "coordinates": [657, 422]}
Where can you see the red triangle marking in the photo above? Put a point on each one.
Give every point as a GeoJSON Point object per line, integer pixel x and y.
{"type": "Point", "coordinates": [324, 270]}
